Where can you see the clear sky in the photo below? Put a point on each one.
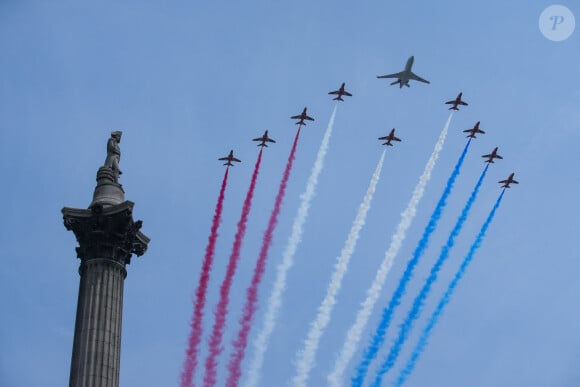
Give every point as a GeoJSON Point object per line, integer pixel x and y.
{"type": "Point", "coordinates": [187, 81]}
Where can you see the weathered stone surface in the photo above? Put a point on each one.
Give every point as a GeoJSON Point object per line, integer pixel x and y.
{"type": "Point", "coordinates": [107, 236]}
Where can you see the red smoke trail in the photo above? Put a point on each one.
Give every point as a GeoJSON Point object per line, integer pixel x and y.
{"type": "Point", "coordinates": [221, 311]}
{"type": "Point", "coordinates": [234, 366]}
{"type": "Point", "coordinates": [190, 362]}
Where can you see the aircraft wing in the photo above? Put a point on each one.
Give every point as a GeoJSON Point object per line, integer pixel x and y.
{"type": "Point", "coordinates": [258, 139]}
{"type": "Point", "coordinates": [417, 78]}
{"type": "Point", "coordinates": [223, 158]}
{"type": "Point", "coordinates": [270, 140]}
{"type": "Point", "coordinates": [397, 75]}
{"type": "Point", "coordinates": [238, 160]}
{"type": "Point", "coordinates": [296, 117]}
{"type": "Point", "coordinates": [335, 92]}
{"type": "Point", "coordinates": [396, 138]}
{"type": "Point", "coordinates": [347, 94]}
{"type": "Point", "coordinates": [309, 118]}
{"type": "Point", "coordinates": [450, 102]}
{"type": "Point", "coordinates": [463, 103]}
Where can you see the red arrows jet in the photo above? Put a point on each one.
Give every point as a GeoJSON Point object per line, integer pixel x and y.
{"type": "Point", "coordinates": [389, 138]}
{"type": "Point", "coordinates": [473, 131]}
{"type": "Point", "coordinates": [455, 102]}
{"type": "Point", "coordinates": [340, 92]}
{"type": "Point", "coordinates": [263, 139]}
{"type": "Point", "coordinates": [302, 116]}
{"type": "Point", "coordinates": [229, 158]}
{"type": "Point", "coordinates": [506, 183]}
{"type": "Point", "coordinates": [492, 155]}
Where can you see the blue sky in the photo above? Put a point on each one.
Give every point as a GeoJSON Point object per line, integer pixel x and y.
{"type": "Point", "coordinates": [188, 81]}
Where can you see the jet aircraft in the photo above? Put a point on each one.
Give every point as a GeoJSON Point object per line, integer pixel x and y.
{"type": "Point", "coordinates": [506, 183]}
{"type": "Point", "coordinates": [473, 131]}
{"type": "Point", "coordinates": [340, 92]}
{"type": "Point", "coordinates": [263, 139]}
{"type": "Point", "coordinates": [302, 116]}
{"type": "Point", "coordinates": [229, 158]}
{"type": "Point", "coordinates": [390, 137]}
{"type": "Point", "coordinates": [455, 102]}
{"type": "Point", "coordinates": [406, 75]}
{"type": "Point", "coordinates": [492, 155]}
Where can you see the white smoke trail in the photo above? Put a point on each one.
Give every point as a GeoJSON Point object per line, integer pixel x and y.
{"type": "Point", "coordinates": [275, 300]}
{"type": "Point", "coordinates": [317, 327]}
{"type": "Point", "coordinates": [355, 331]}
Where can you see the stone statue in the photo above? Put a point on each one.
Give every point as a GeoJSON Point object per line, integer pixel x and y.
{"type": "Point", "coordinates": [114, 153]}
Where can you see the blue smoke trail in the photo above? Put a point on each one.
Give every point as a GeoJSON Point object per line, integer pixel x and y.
{"type": "Point", "coordinates": [407, 325]}
{"type": "Point", "coordinates": [379, 336]}
{"type": "Point", "coordinates": [406, 371]}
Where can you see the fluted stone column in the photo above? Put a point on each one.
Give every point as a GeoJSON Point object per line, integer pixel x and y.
{"type": "Point", "coordinates": [107, 237]}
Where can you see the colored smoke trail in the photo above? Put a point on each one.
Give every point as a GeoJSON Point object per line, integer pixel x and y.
{"type": "Point", "coordinates": [355, 331]}
{"type": "Point", "coordinates": [240, 343]}
{"type": "Point", "coordinates": [221, 311]}
{"type": "Point", "coordinates": [415, 311]}
{"type": "Point", "coordinates": [275, 300]}
{"type": "Point", "coordinates": [406, 371]}
{"type": "Point", "coordinates": [317, 327]}
{"type": "Point", "coordinates": [379, 336]}
{"type": "Point", "coordinates": [190, 363]}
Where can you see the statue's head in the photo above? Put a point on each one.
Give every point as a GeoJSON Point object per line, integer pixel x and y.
{"type": "Point", "coordinates": [117, 135]}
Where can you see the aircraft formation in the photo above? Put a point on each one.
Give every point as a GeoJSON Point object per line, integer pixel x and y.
{"type": "Point", "coordinates": [403, 79]}
{"type": "Point", "coordinates": [306, 359]}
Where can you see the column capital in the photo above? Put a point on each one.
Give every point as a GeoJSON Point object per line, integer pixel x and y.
{"type": "Point", "coordinates": [106, 232]}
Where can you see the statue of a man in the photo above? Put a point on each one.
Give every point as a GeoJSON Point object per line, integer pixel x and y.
{"type": "Point", "coordinates": [114, 152]}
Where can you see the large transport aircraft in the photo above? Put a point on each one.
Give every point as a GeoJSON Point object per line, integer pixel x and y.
{"type": "Point", "coordinates": [405, 76]}
{"type": "Point", "coordinates": [229, 158]}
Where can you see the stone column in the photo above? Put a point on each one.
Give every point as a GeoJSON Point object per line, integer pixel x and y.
{"type": "Point", "coordinates": [107, 237]}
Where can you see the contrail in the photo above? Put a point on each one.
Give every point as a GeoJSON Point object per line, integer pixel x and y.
{"type": "Point", "coordinates": [317, 327]}
{"type": "Point", "coordinates": [415, 311]}
{"type": "Point", "coordinates": [379, 336]}
{"type": "Point", "coordinates": [192, 351]}
{"type": "Point", "coordinates": [275, 300]}
{"type": "Point", "coordinates": [221, 311]}
{"type": "Point", "coordinates": [240, 343]}
{"type": "Point", "coordinates": [446, 297]}
{"type": "Point", "coordinates": [355, 331]}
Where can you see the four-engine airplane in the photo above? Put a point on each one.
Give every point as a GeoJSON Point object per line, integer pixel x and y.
{"type": "Point", "coordinates": [506, 183]}
{"type": "Point", "coordinates": [302, 116]}
{"type": "Point", "coordinates": [405, 76]}
{"type": "Point", "coordinates": [390, 137]}
{"type": "Point", "coordinates": [263, 139]}
{"type": "Point", "coordinates": [473, 131]}
{"type": "Point", "coordinates": [229, 158]}
{"type": "Point", "coordinates": [340, 92]}
{"type": "Point", "coordinates": [492, 155]}
{"type": "Point", "coordinates": [455, 102]}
